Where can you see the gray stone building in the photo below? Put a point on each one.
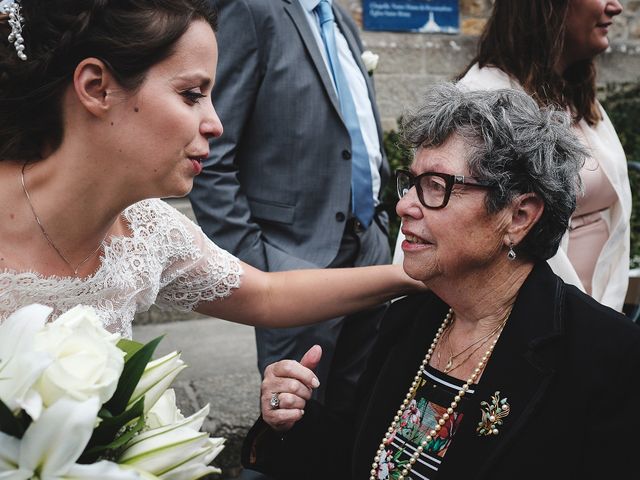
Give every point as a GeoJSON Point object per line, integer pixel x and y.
{"type": "Point", "coordinates": [409, 62]}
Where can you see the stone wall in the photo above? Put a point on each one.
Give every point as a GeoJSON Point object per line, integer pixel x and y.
{"type": "Point", "coordinates": [409, 62]}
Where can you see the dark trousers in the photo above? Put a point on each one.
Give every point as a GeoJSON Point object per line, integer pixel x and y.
{"type": "Point", "coordinates": [356, 333]}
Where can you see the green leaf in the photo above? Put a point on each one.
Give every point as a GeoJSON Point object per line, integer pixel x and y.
{"type": "Point", "coordinates": [128, 435]}
{"type": "Point", "coordinates": [104, 413]}
{"type": "Point", "coordinates": [105, 436]}
{"type": "Point", "coordinates": [129, 347]}
{"type": "Point", "coordinates": [133, 370]}
{"type": "Point", "coordinates": [8, 423]}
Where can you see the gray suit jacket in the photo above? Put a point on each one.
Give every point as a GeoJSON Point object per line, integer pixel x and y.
{"type": "Point", "coordinates": [275, 189]}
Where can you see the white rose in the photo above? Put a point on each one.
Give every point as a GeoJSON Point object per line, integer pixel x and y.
{"type": "Point", "coordinates": [86, 363]}
{"type": "Point", "coordinates": [370, 60]}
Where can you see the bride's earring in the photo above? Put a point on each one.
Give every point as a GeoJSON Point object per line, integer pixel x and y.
{"type": "Point", "coordinates": [511, 254]}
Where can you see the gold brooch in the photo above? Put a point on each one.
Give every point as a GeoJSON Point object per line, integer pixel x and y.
{"type": "Point", "coordinates": [492, 415]}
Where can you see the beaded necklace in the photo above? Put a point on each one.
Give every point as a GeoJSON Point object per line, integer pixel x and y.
{"type": "Point", "coordinates": [445, 416]}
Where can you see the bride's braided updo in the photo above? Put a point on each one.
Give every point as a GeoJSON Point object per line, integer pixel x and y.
{"type": "Point", "coordinates": [129, 36]}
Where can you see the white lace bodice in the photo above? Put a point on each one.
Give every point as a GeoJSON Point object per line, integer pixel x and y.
{"type": "Point", "coordinates": [167, 261]}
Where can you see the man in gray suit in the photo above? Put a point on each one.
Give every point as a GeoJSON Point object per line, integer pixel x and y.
{"type": "Point", "coordinates": [276, 188]}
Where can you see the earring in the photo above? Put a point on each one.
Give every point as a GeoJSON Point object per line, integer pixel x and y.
{"type": "Point", "coordinates": [511, 254]}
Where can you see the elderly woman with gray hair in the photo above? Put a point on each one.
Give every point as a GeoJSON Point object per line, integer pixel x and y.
{"type": "Point", "coordinates": [501, 370]}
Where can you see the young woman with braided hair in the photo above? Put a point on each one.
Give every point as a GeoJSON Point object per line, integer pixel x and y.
{"type": "Point", "coordinates": [105, 109]}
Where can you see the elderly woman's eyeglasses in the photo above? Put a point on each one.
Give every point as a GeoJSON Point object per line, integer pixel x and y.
{"type": "Point", "coordinates": [433, 188]}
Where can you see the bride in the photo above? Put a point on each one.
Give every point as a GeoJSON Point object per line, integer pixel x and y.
{"type": "Point", "coordinates": [105, 109]}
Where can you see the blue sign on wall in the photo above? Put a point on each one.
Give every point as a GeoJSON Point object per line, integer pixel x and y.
{"type": "Point", "coordinates": [425, 16]}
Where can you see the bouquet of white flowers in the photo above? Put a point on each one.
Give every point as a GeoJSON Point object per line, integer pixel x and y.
{"type": "Point", "coordinates": [78, 402]}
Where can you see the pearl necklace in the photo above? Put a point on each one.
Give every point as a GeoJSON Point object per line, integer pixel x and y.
{"type": "Point", "coordinates": [445, 416]}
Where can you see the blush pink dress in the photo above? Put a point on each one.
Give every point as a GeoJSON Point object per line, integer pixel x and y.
{"type": "Point", "coordinates": [589, 227]}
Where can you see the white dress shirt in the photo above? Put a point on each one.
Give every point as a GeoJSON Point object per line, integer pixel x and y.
{"type": "Point", "coordinates": [358, 88]}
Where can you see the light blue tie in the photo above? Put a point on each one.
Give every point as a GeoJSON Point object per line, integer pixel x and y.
{"type": "Point", "coordinates": [361, 190]}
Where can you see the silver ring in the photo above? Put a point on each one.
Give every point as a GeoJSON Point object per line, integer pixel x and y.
{"type": "Point", "coordinates": [274, 403]}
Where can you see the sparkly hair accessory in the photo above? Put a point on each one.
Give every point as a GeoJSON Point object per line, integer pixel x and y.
{"type": "Point", "coordinates": [16, 21]}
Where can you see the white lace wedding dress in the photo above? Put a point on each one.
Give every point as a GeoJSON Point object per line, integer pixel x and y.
{"type": "Point", "coordinates": [167, 261]}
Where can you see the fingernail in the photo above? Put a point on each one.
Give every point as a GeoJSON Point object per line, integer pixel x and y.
{"type": "Point", "coordinates": [301, 412]}
{"type": "Point", "coordinates": [315, 383]}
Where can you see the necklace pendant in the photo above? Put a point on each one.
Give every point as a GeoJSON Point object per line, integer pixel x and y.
{"type": "Point", "coordinates": [448, 366]}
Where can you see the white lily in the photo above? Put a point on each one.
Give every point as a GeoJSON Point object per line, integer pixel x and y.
{"type": "Point", "coordinates": [20, 365]}
{"type": "Point", "coordinates": [52, 444]}
{"type": "Point", "coordinates": [157, 377]}
{"type": "Point", "coordinates": [164, 412]}
{"type": "Point", "coordinates": [178, 451]}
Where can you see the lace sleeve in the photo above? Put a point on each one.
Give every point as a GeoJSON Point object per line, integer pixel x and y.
{"type": "Point", "coordinates": [195, 270]}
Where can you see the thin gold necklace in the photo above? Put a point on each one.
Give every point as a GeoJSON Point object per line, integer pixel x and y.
{"type": "Point", "coordinates": [44, 232]}
{"type": "Point", "coordinates": [389, 435]}
{"type": "Point", "coordinates": [449, 366]}
{"type": "Point", "coordinates": [453, 367]}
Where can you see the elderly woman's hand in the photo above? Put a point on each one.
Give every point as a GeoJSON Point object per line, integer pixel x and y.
{"type": "Point", "coordinates": [286, 387]}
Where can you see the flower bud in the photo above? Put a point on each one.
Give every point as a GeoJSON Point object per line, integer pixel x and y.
{"type": "Point", "coordinates": [157, 377]}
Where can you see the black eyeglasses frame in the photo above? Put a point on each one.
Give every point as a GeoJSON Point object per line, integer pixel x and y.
{"type": "Point", "coordinates": [450, 181]}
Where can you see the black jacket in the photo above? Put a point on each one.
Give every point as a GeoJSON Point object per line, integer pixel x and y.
{"type": "Point", "coordinates": [569, 366]}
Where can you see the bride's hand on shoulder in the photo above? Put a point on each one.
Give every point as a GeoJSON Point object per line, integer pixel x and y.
{"type": "Point", "coordinates": [411, 285]}
{"type": "Point", "coordinates": [301, 297]}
